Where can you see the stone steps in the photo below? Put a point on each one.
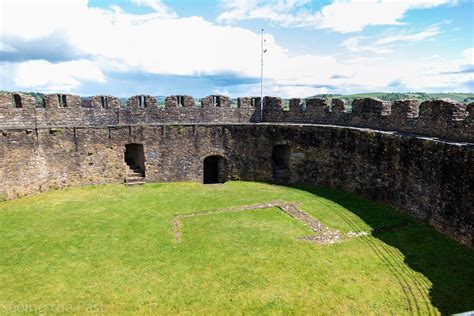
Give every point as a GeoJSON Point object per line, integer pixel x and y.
{"type": "Point", "coordinates": [134, 176]}
{"type": "Point", "coordinates": [134, 179]}
{"type": "Point", "coordinates": [134, 183]}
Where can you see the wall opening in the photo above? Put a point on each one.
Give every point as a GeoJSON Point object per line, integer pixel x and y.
{"type": "Point", "coordinates": [281, 162]}
{"type": "Point", "coordinates": [180, 100]}
{"type": "Point", "coordinates": [141, 101]}
{"type": "Point", "coordinates": [255, 102]}
{"type": "Point", "coordinates": [215, 170]}
{"type": "Point", "coordinates": [62, 99]}
{"type": "Point", "coordinates": [216, 100]}
{"type": "Point", "coordinates": [104, 102]}
{"type": "Point", "coordinates": [135, 158]}
{"type": "Point", "coordinates": [17, 101]}
{"type": "Point", "coordinates": [303, 105]}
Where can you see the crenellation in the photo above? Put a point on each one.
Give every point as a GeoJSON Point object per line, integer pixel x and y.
{"type": "Point", "coordinates": [188, 101]}
{"type": "Point", "coordinates": [371, 106]}
{"type": "Point", "coordinates": [296, 111]}
{"type": "Point", "coordinates": [370, 112]}
{"type": "Point", "coordinates": [470, 110]}
{"type": "Point", "coordinates": [437, 118]}
{"type": "Point", "coordinates": [405, 109]}
{"type": "Point", "coordinates": [338, 106]}
{"type": "Point", "coordinates": [442, 118]}
{"type": "Point", "coordinates": [339, 112]}
{"type": "Point", "coordinates": [17, 100]}
{"type": "Point", "coordinates": [207, 101]}
{"type": "Point", "coordinates": [179, 101]}
{"type": "Point", "coordinates": [62, 101]}
{"type": "Point", "coordinates": [222, 101]}
{"type": "Point", "coordinates": [216, 100]}
{"type": "Point", "coordinates": [295, 105]}
{"type": "Point", "coordinates": [444, 109]}
{"type": "Point", "coordinates": [273, 103]}
{"type": "Point", "coordinates": [6, 101]}
{"type": "Point", "coordinates": [318, 109]}
{"type": "Point", "coordinates": [244, 102]}
{"type": "Point", "coordinates": [104, 102]}
{"type": "Point", "coordinates": [141, 102]}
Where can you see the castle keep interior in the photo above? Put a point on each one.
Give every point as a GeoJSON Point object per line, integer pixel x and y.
{"type": "Point", "coordinates": [416, 157]}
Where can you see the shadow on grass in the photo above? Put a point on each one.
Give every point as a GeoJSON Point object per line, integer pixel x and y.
{"type": "Point", "coordinates": [448, 265]}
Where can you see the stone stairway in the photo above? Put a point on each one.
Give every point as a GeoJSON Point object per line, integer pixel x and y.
{"type": "Point", "coordinates": [134, 176]}
{"type": "Point", "coordinates": [281, 175]}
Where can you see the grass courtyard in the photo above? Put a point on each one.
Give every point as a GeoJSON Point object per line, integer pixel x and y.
{"type": "Point", "coordinates": [113, 250]}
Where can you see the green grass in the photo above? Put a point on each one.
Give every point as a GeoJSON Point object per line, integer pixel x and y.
{"type": "Point", "coordinates": [110, 249]}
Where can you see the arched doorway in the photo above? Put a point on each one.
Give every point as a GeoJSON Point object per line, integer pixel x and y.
{"type": "Point", "coordinates": [215, 170]}
{"type": "Point", "coordinates": [281, 162]}
{"type": "Point", "coordinates": [135, 158]}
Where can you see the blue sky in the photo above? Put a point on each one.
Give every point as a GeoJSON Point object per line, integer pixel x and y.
{"type": "Point", "coordinates": [202, 47]}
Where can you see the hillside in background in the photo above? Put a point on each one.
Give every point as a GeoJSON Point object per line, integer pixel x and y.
{"type": "Point", "coordinates": [422, 96]}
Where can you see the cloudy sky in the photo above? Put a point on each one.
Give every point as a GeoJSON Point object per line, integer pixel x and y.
{"type": "Point", "coordinates": [199, 47]}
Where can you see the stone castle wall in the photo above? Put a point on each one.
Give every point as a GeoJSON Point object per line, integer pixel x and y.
{"type": "Point", "coordinates": [438, 118]}
{"type": "Point", "coordinates": [84, 143]}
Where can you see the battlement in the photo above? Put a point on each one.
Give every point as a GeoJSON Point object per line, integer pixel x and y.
{"type": "Point", "coordinates": [437, 118]}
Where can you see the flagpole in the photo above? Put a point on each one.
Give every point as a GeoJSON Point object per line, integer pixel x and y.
{"type": "Point", "coordinates": [261, 79]}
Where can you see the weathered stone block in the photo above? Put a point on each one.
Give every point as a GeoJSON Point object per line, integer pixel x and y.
{"type": "Point", "coordinates": [179, 100]}
{"type": "Point", "coordinates": [338, 106]}
{"type": "Point", "coordinates": [317, 105]}
{"type": "Point", "coordinates": [216, 101]}
{"type": "Point", "coordinates": [295, 105]}
{"type": "Point", "coordinates": [141, 102]}
{"type": "Point", "coordinates": [371, 106]}
{"type": "Point", "coordinates": [244, 102]}
{"type": "Point", "coordinates": [273, 104]}
{"type": "Point", "coordinates": [402, 109]}
{"type": "Point", "coordinates": [444, 109]}
{"type": "Point", "coordinates": [104, 102]}
{"type": "Point", "coordinates": [62, 101]}
{"type": "Point", "coordinates": [6, 101]}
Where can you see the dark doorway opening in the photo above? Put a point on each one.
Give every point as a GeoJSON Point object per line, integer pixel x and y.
{"type": "Point", "coordinates": [216, 100]}
{"type": "Point", "coordinates": [215, 170]}
{"type": "Point", "coordinates": [17, 101]}
{"type": "Point", "coordinates": [281, 162]}
{"type": "Point", "coordinates": [104, 102]}
{"type": "Point", "coordinates": [141, 101]}
{"type": "Point", "coordinates": [135, 158]}
{"type": "Point", "coordinates": [62, 99]}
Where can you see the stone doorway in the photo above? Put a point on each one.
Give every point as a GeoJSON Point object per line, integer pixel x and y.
{"type": "Point", "coordinates": [215, 170]}
{"type": "Point", "coordinates": [281, 162]}
{"type": "Point", "coordinates": [135, 158]}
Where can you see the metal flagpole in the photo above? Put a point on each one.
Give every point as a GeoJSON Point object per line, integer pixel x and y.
{"type": "Point", "coordinates": [261, 79]}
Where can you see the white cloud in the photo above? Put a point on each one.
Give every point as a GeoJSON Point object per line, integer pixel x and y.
{"type": "Point", "coordinates": [353, 44]}
{"type": "Point", "coordinates": [158, 6]}
{"type": "Point", "coordinates": [385, 44]}
{"type": "Point", "coordinates": [429, 32]}
{"type": "Point", "coordinates": [61, 76]}
{"type": "Point", "coordinates": [341, 15]}
{"type": "Point", "coordinates": [274, 10]}
{"type": "Point", "coordinates": [114, 41]}
{"type": "Point", "coordinates": [5, 48]}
